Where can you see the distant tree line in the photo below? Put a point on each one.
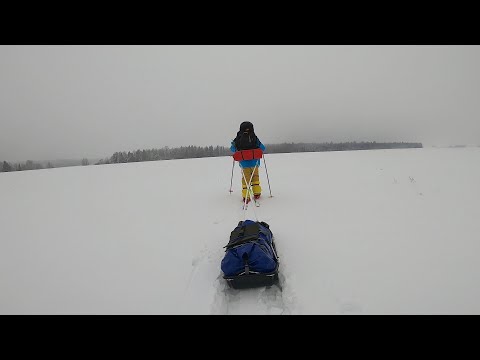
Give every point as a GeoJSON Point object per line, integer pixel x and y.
{"type": "Point", "coordinates": [344, 146]}
{"type": "Point", "coordinates": [166, 153]}
{"type": "Point", "coordinates": [5, 166]}
{"type": "Point", "coordinates": [28, 165]}
{"type": "Point", "coordinates": [189, 152]}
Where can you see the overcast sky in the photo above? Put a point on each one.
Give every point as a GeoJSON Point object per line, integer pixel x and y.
{"type": "Point", "coordinates": [90, 101]}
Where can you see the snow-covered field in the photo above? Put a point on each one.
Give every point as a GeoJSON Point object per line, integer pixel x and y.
{"type": "Point", "coordinates": [358, 232]}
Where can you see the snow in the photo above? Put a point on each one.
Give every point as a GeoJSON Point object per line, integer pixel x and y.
{"type": "Point", "coordinates": [357, 232]}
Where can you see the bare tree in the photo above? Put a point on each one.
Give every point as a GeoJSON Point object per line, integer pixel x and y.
{"type": "Point", "coordinates": [6, 167]}
{"type": "Point", "coordinates": [29, 165]}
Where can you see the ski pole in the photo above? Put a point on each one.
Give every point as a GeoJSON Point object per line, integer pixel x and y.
{"type": "Point", "coordinates": [231, 179]}
{"type": "Point", "coordinates": [267, 175]}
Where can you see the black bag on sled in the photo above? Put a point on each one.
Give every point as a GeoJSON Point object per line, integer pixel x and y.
{"type": "Point", "coordinates": [250, 257]}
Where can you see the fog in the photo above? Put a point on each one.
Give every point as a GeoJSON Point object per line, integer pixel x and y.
{"type": "Point", "coordinates": [90, 101]}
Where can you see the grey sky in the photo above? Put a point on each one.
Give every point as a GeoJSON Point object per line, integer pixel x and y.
{"type": "Point", "coordinates": [90, 101]}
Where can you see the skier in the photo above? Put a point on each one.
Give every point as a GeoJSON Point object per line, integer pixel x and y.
{"type": "Point", "coordinates": [245, 140]}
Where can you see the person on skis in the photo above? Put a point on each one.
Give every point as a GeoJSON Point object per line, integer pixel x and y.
{"type": "Point", "coordinates": [246, 140]}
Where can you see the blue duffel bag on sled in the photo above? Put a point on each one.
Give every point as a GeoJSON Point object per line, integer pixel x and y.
{"type": "Point", "coordinates": [250, 257]}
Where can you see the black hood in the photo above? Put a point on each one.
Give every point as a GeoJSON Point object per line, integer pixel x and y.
{"type": "Point", "coordinates": [246, 125]}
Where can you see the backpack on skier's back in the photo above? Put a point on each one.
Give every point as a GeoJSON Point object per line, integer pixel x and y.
{"type": "Point", "coordinates": [246, 138]}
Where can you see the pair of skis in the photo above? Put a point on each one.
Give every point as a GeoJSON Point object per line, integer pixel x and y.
{"type": "Point", "coordinates": [249, 194]}
{"type": "Point", "coordinates": [255, 202]}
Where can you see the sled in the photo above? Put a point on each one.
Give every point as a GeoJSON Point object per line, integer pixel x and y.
{"type": "Point", "coordinates": [250, 257]}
